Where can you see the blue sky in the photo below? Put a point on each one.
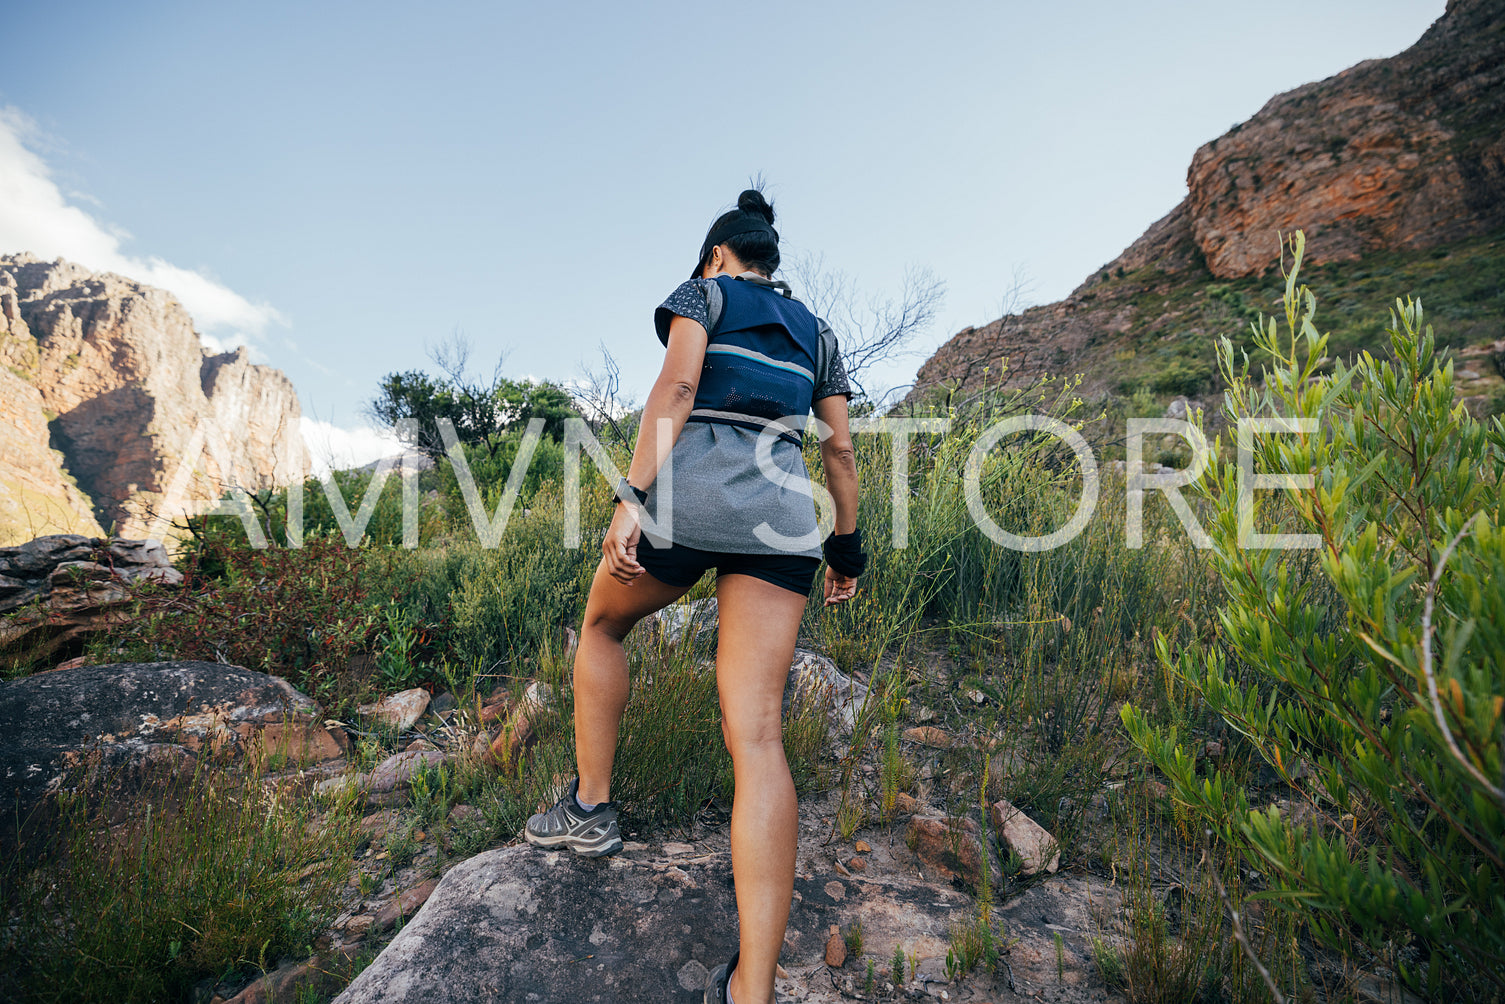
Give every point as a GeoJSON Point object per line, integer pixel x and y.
{"type": "Point", "coordinates": [339, 184]}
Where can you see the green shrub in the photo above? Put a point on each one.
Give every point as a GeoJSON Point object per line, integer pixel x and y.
{"type": "Point", "coordinates": [1376, 663]}
{"type": "Point", "coordinates": [300, 613]}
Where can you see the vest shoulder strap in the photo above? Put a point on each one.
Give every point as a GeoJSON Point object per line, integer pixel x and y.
{"type": "Point", "coordinates": [715, 303]}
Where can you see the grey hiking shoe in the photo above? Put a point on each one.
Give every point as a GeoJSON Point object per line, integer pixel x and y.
{"type": "Point", "coordinates": [715, 985]}
{"type": "Point", "coordinates": [591, 834]}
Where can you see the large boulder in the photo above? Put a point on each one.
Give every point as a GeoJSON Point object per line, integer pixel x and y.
{"type": "Point", "coordinates": [815, 677]}
{"type": "Point", "coordinates": [520, 924]}
{"type": "Point", "coordinates": [129, 716]}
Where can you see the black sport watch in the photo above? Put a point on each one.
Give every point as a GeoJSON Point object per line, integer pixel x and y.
{"type": "Point", "coordinates": [624, 487]}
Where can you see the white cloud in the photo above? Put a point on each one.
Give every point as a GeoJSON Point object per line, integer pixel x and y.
{"type": "Point", "coordinates": [35, 216]}
{"type": "Point", "coordinates": [338, 449]}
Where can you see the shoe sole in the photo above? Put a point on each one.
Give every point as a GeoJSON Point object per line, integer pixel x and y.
{"type": "Point", "coordinates": [585, 850]}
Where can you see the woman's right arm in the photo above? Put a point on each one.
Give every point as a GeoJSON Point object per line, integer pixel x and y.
{"type": "Point", "coordinates": [672, 397]}
{"type": "Point", "coordinates": [840, 462]}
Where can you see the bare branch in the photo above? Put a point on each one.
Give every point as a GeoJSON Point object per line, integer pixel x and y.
{"type": "Point", "coordinates": [1495, 792]}
{"type": "Point", "coordinates": [1238, 926]}
{"type": "Point", "coordinates": [598, 389]}
{"type": "Point", "coordinates": [872, 332]}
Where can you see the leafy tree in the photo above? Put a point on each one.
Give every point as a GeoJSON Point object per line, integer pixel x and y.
{"type": "Point", "coordinates": [482, 410]}
{"type": "Point", "coordinates": [419, 401]}
{"type": "Point", "coordinates": [1376, 668]}
{"type": "Point", "coordinates": [523, 401]}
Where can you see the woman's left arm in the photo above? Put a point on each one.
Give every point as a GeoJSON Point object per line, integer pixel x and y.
{"type": "Point", "coordinates": [672, 397]}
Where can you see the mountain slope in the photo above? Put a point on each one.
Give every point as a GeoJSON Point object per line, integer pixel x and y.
{"type": "Point", "coordinates": [1395, 169]}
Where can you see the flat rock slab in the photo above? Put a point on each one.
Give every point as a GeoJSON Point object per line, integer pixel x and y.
{"type": "Point", "coordinates": [521, 924]}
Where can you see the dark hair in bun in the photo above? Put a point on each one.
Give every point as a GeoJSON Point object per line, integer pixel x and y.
{"type": "Point", "coordinates": [757, 248]}
{"type": "Point", "coordinates": [751, 201]}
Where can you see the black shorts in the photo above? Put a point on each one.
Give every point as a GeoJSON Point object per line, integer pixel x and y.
{"type": "Point", "coordinates": [678, 565]}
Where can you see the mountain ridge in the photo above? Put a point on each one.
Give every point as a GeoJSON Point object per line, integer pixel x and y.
{"type": "Point", "coordinates": [1390, 159]}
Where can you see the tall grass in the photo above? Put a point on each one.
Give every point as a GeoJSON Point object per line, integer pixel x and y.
{"type": "Point", "coordinates": [138, 895]}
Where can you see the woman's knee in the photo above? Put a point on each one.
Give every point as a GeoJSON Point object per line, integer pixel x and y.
{"type": "Point", "coordinates": [752, 739]}
{"type": "Point", "coordinates": [608, 624]}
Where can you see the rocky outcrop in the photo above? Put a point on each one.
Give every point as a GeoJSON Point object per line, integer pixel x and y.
{"type": "Point", "coordinates": [1398, 155]}
{"type": "Point", "coordinates": [37, 495]}
{"type": "Point", "coordinates": [1407, 152]}
{"type": "Point", "coordinates": [128, 719]}
{"type": "Point", "coordinates": [125, 385]}
{"type": "Point", "coordinates": [522, 924]}
{"type": "Point", "coordinates": [56, 589]}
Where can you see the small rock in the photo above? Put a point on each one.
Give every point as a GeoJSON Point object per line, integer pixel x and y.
{"type": "Point", "coordinates": [419, 745]}
{"type": "Point", "coordinates": [948, 846]}
{"type": "Point", "coordinates": [1212, 749]}
{"type": "Point", "coordinates": [494, 711]}
{"type": "Point", "coordinates": [841, 870]}
{"type": "Point", "coordinates": [924, 715]}
{"type": "Point", "coordinates": [681, 622]}
{"type": "Point", "coordinates": [398, 711]}
{"type": "Point", "coordinates": [404, 906]}
{"type": "Point", "coordinates": [443, 703]}
{"type": "Point", "coordinates": [279, 985]}
{"type": "Point", "coordinates": [539, 695]}
{"type": "Point", "coordinates": [836, 949]}
{"type": "Point", "coordinates": [863, 847]}
{"type": "Point", "coordinates": [359, 924]}
{"type": "Point", "coordinates": [1370, 988]}
{"type": "Point", "coordinates": [1026, 838]}
{"type": "Point", "coordinates": [929, 735]}
{"type": "Point", "coordinates": [396, 771]}
{"type": "Point", "coordinates": [692, 976]}
{"type": "Point", "coordinates": [857, 865]}
{"type": "Point", "coordinates": [905, 804]}
{"type": "Point", "coordinates": [815, 677]}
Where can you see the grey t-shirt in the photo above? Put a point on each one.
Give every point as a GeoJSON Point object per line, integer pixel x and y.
{"type": "Point", "coordinates": [722, 500]}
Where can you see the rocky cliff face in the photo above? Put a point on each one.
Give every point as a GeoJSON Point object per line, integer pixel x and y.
{"type": "Point", "coordinates": [1406, 152]}
{"type": "Point", "coordinates": [1396, 155]}
{"type": "Point", "coordinates": [125, 388]}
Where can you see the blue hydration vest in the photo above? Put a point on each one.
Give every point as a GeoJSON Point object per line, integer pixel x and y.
{"type": "Point", "coordinates": [760, 361]}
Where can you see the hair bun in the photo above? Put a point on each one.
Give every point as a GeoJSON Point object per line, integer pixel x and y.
{"type": "Point", "coordinates": [752, 201]}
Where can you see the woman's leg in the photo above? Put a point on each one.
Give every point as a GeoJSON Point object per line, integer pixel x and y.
{"type": "Point", "coordinates": [759, 624]}
{"type": "Point", "coordinates": [601, 670]}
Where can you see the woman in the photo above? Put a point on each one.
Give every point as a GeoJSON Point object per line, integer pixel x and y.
{"type": "Point", "coordinates": [744, 360]}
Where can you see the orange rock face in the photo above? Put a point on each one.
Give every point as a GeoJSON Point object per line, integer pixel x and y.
{"type": "Point", "coordinates": [124, 384]}
{"type": "Point", "coordinates": [1405, 152]}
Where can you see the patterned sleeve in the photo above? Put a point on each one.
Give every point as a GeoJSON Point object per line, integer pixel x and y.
{"type": "Point", "coordinates": [686, 301]}
{"type": "Point", "coordinates": [833, 380]}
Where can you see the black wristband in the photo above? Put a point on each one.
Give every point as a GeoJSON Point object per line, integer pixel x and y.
{"type": "Point", "coordinates": [845, 555]}
{"type": "Point", "coordinates": [641, 495]}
